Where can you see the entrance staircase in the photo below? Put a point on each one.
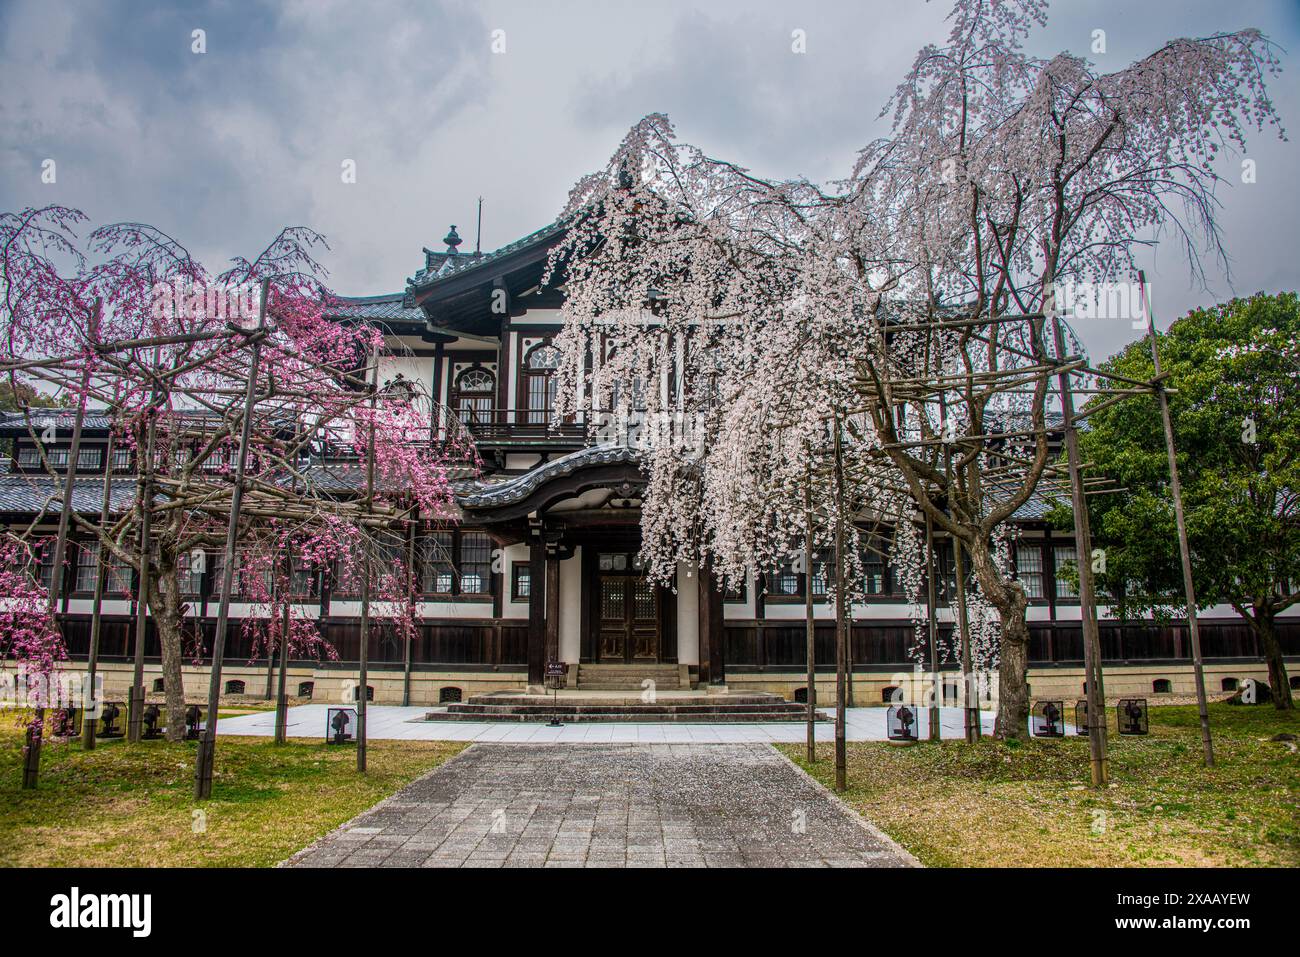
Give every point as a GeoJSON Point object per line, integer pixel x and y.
{"type": "Point", "coordinates": [573, 706]}
{"type": "Point", "coordinates": [631, 677]}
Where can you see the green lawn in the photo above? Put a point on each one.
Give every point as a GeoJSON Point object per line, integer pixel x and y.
{"type": "Point", "coordinates": [1025, 805]}
{"type": "Point", "coordinates": [132, 805]}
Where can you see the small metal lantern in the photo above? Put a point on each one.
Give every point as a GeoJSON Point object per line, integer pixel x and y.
{"type": "Point", "coordinates": [900, 722]}
{"type": "Point", "coordinates": [66, 723]}
{"type": "Point", "coordinates": [193, 723]}
{"type": "Point", "coordinates": [151, 718]}
{"type": "Point", "coordinates": [339, 723]}
{"type": "Point", "coordinates": [1132, 713]}
{"type": "Point", "coordinates": [108, 715]}
{"type": "Point", "coordinates": [1047, 720]}
{"type": "Point", "coordinates": [1081, 717]}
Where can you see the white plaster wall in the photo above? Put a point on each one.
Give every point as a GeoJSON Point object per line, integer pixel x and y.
{"type": "Point", "coordinates": [688, 615]}
{"type": "Point", "coordinates": [741, 609]}
{"type": "Point", "coordinates": [111, 606]}
{"type": "Point", "coordinates": [571, 607]}
{"type": "Point", "coordinates": [512, 554]}
{"type": "Point", "coordinates": [413, 368]}
{"type": "Point", "coordinates": [537, 316]}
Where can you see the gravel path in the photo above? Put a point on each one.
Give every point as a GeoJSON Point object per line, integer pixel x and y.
{"type": "Point", "coordinates": [635, 805]}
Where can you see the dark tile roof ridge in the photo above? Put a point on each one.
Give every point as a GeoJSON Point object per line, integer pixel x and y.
{"type": "Point", "coordinates": [464, 262]}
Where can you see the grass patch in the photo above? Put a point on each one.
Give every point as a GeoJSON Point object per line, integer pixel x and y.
{"type": "Point", "coordinates": [127, 805]}
{"type": "Point", "coordinates": [1025, 805]}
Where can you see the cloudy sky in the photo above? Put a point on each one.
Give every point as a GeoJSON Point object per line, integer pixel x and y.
{"type": "Point", "coordinates": [221, 148]}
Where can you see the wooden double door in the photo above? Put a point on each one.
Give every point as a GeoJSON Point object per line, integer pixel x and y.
{"type": "Point", "coordinates": [629, 616]}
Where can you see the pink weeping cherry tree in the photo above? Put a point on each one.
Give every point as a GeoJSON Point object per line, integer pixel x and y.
{"type": "Point", "coordinates": [335, 456]}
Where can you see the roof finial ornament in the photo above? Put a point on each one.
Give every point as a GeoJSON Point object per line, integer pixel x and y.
{"type": "Point", "coordinates": [452, 239]}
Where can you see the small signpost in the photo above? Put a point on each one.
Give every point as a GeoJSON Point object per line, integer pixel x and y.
{"type": "Point", "coordinates": [555, 679]}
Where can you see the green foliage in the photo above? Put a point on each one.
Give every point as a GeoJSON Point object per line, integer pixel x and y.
{"type": "Point", "coordinates": [1236, 417]}
{"type": "Point", "coordinates": [124, 805]}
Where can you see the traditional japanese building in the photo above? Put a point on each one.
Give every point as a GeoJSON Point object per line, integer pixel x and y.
{"type": "Point", "coordinates": [542, 561]}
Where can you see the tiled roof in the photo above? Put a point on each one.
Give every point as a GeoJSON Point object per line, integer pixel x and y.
{"type": "Point", "coordinates": [455, 265]}
{"type": "Point", "coordinates": [495, 494]}
{"type": "Point", "coordinates": [348, 476]}
{"type": "Point", "coordinates": [30, 494]}
{"type": "Point", "coordinates": [391, 306]}
{"type": "Point", "coordinates": [13, 423]}
{"type": "Point", "coordinates": [1036, 508]}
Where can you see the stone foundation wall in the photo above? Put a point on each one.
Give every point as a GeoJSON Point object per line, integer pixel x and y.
{"type": "Point", "coordinates": [332, 686]}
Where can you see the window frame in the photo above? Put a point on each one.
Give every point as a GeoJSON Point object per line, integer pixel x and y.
{"type": "Point", "coordinates": [521, 573]}
{"type": "Point", "coordinates": [457, 562]}
{"type": "Point", "coordinates": [1037, 573]}
{"type": "Point", "coordinates": [460, 394]}
{"type": "Point", "coordinates": [527, 374]}
{"type": "Point", "coordinates": [1072, 594]}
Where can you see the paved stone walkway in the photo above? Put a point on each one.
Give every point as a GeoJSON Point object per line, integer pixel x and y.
{"type": "Point", "coordinates": [635, 805]}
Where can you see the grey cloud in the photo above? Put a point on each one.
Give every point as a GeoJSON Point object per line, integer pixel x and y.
{"type": "Point", "coordinates": [225, 148]}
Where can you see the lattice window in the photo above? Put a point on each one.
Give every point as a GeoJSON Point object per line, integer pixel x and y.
{"type": "Point", "coordinates": [475, 563]}
{"type": "Point", "coordinates": [539, 382]}
{"type": "Point", "coordinates": [1029, 569]}
{"type": "Point", "coordinates": [472, 396]}
{"type": "Point", "coordinates": [1064, 555]}
{"type": "Point", "coordinates": [87, 566]}
{"type": "Point", "coordinates": [437, 561]}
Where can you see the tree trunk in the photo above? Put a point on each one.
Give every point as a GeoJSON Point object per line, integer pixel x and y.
{"type": "Point", "coordinates": [1278, 682]}
{"type": "Point", "coordinates": [165, 605]}
{"type": "Point", "coordinates": [1009, 599]}
{"type": "Point", "coordinates": [1013, 686]}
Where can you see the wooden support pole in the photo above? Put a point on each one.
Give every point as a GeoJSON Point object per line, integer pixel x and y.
{"type": "Point", "coordinates": [811, 625]}
{"type": "Point", "coordinates": [281, 692]}
{"type": "Point", "coordinates": [1096, 694]}
{"type": "Point", "coordinates": [135, 697]}
{"type": "Point", "coordinates": [969, 682]}
{"type": "Point", "coordinates": [841, 637]}
{"type": "Point", "coordinates": [205, 760]}
{"type": "Point", "coordinates": [97, 606]}
{"type": "Point", "coordinates": [932, 622]}
{"type": "Point", "coordinates": [368, 555]}
{"type": "Point", "coordinates": [410, 599]}
{"type": "Point", "coordinates": [1184, 552]}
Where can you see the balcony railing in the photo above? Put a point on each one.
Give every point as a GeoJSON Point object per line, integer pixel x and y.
{"type": "Point", "coordinates": [525, 427]}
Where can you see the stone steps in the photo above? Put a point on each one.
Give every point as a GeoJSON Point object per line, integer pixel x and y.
{"type": "Point", "coordinates": [731, 717]}
{"type": "Point", "coordinates": [573, 706]}
{"type": "Point", "coordinates": [614, 677]}
{"type": "Point", "coordinates": [562, 707]}
{"type": "Point", "coordinates": [605, 699]}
